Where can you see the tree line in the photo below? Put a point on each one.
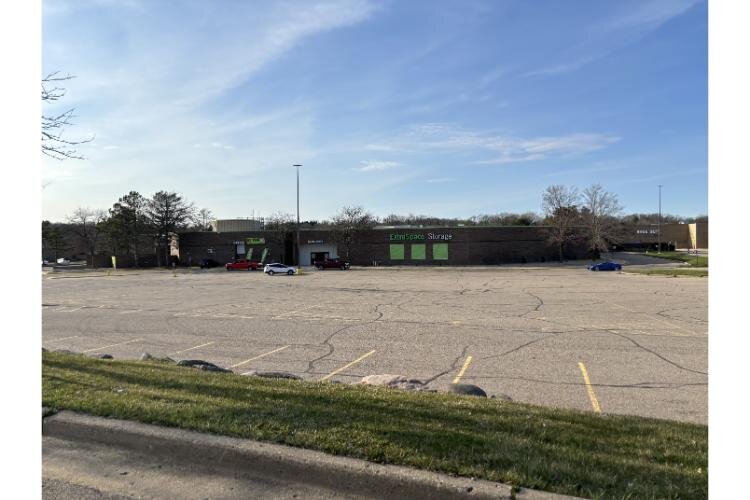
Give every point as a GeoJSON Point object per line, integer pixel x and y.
{"type": "Point", "coordinates": [135, 225]}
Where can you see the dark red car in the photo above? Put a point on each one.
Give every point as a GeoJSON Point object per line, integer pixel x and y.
{"type": "Point", "coordinates": [242, 265]}
{"type": "Point", "coordinates": [331, 264]}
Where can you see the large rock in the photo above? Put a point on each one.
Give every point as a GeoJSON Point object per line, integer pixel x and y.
{"type": "Point", "coordinates": [467, 390]}
{"type": "Point", "coordinates": [148, 357]}
{"type": "Point", "coordinates": [104, 356]}
{"type": "Point", "coordinates": [283, 375]}
{"type": "Point", "coordinates": [203, 365]}
{"type": "Point", "coordinates": [395, 382]}
{"type": "Point", "coordinates": [386, 379]}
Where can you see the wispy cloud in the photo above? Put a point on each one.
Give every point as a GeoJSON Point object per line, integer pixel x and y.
{"type": "Point", "coordinates": [626, 25]}
{"type": "Point", "coordinates": [376, 165]}
{"type": "Point", "coordinates": [440, 180]}
{"type": "Point", "coordinates": [443, 137]}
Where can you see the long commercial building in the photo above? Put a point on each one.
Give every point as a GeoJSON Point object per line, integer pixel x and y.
{"type": "Point", "coordinates": [381, 246]}
{"type": "Point", "coordinates": [406, 245]}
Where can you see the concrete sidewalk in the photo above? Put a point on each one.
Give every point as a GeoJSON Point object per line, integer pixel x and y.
{"type": "Point", "coordinates": [115, 458]}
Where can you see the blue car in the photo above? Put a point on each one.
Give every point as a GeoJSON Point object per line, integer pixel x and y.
{"type": "Point", "coordinates": [606, 266]}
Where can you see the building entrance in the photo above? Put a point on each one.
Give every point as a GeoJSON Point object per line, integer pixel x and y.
{"type": "Point", "coordinates": [316, 256]}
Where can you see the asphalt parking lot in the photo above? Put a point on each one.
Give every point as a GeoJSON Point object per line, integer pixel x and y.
{"type": "Point", "coordinates": [555, 336]}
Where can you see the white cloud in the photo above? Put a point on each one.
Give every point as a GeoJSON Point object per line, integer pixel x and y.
{"type": "Point", "coordinates": [376, 165]}
{"type": "Point", "coordinates": [446, 138]}
{"type": "Point", "coordinates": [439, 180]}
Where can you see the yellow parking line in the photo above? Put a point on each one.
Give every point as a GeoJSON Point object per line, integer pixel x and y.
{"type": "Point", "coordinates": [112, 345]}
{"type": "Point", "coordinates": [261, 356]}
{"type": "Point", "coordinates": [191, 348]}
{"type": "Point", "coordinates": [334, 372]}
{"type": "Point", "coordinates": [592, 396]}
{"type": "Point", "coordinates": [463, 370]}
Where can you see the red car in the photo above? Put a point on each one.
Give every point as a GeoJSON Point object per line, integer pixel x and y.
{"type": "Point", "coordinates": [331, 264]}
{"type": "Point", "coordinates": [242, 265]}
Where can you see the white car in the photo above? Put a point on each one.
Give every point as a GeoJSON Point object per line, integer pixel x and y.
{"type": "Point", "coordinates": [277, 268]}
{"type": "Point", "coordinates": [63, 260]}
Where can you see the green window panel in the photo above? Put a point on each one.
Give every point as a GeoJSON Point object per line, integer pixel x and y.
{"type": "Point", "coordinates": [418, 251]}
{"type": "Point", "coordinates": [397, 252]}
{"type": "Point", "coordinates": [440, 251]}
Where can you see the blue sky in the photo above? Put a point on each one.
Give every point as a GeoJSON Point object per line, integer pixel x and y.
{"type": "Point", "coordinates": [449, 108]}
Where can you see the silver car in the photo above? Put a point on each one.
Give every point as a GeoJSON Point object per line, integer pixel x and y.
{"type": "Point", "coordinates": [277, 268]}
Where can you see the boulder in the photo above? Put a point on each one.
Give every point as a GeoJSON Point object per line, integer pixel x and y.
{"type": "Point", "coordinates": [104, 356]}
{"type": "Point", "coordinates": [395, 382]}
{"type": "Point", "coordinates": [148, 357]}
{"type": "Point", "coordinates": [385, 379]}
{"type": "Point", "coordinates": [203, 365]}
{"type": "Point", "coordinates": [283, 375]}
{"type": "Point", "coordinates": [467, 390]}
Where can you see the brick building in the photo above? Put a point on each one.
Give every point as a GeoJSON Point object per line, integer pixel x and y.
{"type": "Point", "coordinates": [474, 245]}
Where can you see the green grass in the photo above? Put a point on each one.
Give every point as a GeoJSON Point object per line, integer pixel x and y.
{"type": "Point", "coordinates": [564, 451]}
{"type": "Point", "coordinates": [691, 260]}
{"type": "Point", "coordinates": [701, 273]}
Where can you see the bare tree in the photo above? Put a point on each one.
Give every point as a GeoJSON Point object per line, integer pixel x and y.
{"type": "Point", "coordinates": [203, 219]}
{"type": "Point", "coordinates": [600, 211]}
{"type": "Point", "coordinates": [85, 225]}
{"type": "Point", "coordinates": [348, 225]}
{"type": "Point", "coordinates": [53, 126]}
{"type": "Point", "coordinates": [560, 207]}
{"type": "Point", "coordinates": [280, 226]}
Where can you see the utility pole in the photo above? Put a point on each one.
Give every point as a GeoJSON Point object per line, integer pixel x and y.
{"type": "Point", "coordinates": [659, 230]}
{"type": "Point", "coordinates": [298, 256]}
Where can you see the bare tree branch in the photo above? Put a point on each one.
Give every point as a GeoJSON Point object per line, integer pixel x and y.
{"type": "Point", "coordinates": [54, 144]}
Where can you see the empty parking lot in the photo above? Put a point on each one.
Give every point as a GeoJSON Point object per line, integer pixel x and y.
{"type": "Point", "coordinates": [609, 342]}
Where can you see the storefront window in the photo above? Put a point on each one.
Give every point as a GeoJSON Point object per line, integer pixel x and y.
{"type": "Point", "coordinates": [397, 252]}
{"type": "Point", "coordinates": [440, 251]}
{"type": "Point", "coordinates": [418, 251]}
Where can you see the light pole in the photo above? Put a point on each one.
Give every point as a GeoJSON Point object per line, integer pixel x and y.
{"type": "Point", "coordinates": [298, 256]}
{"type": "Point", "coordinates": [659, 229]}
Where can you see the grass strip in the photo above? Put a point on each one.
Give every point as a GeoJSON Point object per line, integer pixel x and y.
{"type": "Point", "coordinates": [701, 273]}
{"type": "Point", "coordinates": [563, 451]}
{"type": "Point", "coordinates": [691, 260]}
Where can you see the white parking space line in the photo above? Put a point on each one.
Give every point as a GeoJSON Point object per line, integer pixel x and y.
{"type": "Point", "coordinates": [294, 312]}
{"type": "Point", "coordinates": [334, 372]}
{"type": "Point", "coordinates": [195, 347]}
{"type": "Point", "coordinates": [60, 340]}
{"type": "Point", "coordinates": [112, 345]}
{"type": "Point", "coordinates": [261, 356]}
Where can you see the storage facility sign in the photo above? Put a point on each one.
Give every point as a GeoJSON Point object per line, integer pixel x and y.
{"type": "Point", "coordinates": [420, 237]}
{"type": "Point", "coordinates": [255, 241]}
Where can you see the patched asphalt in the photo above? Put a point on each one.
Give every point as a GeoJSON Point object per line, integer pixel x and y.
{"type": "Point", "coordinates": [643, 340]}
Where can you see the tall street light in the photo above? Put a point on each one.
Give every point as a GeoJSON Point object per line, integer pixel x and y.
{"type": "Point", "coordinates": [298, 256]}
{"type": "Point", "coordinates": [659, 230]}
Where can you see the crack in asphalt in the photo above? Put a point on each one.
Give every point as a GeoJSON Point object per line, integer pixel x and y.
{"type": "Point", "coordinates": [667, 360]}
{"type": "Point", "coordinates": [331, 348]}
{"type": "Point", "coordinates": [453, 367]}
{"type": "Point", "coordinates": [522, 346]}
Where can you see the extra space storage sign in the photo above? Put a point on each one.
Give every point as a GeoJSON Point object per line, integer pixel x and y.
{"type": "Point", "coordinates": [420, 237]}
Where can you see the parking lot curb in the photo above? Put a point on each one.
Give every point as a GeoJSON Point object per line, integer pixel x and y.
{"type": "Point", "coordinates": [297, 465]}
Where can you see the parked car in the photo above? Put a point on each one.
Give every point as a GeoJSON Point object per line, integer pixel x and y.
{"type": "Point", "coordinates": [331, 264]}
{"type": "Point", "coordinates": [606, 266]}
{"type": "Point", "coordinates": [63, 260]}
{"type": "Point", "coordinates": [242, 265]}
{"type": "Point", "coordinates": [277, 268]}
{"type": "Point", "coordinates": [209, 263]}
